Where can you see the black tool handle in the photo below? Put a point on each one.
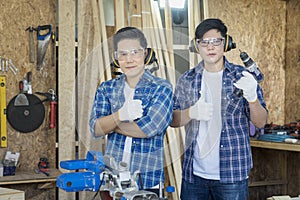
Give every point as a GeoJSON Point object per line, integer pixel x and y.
{"type": "Point", "coordinates": [42, 28]}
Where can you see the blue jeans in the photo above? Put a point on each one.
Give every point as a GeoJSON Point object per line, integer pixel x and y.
{"type": "Point", "coordinates": [204, 189]}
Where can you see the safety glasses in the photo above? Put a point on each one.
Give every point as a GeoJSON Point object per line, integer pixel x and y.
{"type": "Point", "coordinates": [122, 55]}
{"type": "Point", "coordinates": [206, 42]}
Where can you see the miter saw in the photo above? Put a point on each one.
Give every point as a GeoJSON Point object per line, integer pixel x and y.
{"type": "Point", "coordinates": [102, 174]}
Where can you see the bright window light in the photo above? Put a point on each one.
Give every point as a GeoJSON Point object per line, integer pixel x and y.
{"type": "Point", "coordinates": [173, 3]}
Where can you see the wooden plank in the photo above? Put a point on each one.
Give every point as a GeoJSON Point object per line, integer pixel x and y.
{"type": "Point", "coordinates": [104, 42]}
{"type": "Point", "coordinates": [66, 85]}
{"type": "Point", "coordinates": [284, 171]}
{"type": "Point", "coordinates": [21, 177]}
{"type": "Point", "coordinates": [90, 73]}
{"type": "Point", "coordinates": [135, 11]}
{"type": "Point", "coordinates": [169, 35]}
{"type": "Point", "coordinates": [170, 170]}
{"type": "Point", "coordinates": [205, 9]}
{"type": "Point", "coordinates": [197, 20]}
{"type": "Point", "coordinates": [97, 52]}
{"type": "Point", "coordinates": [276, 145]}
{"type": "Point", "coordinates": [169, 68]}
{"type": "Point", "coordinates": [149, 31]}
{"type": "Point", "coordinates": [11, 194]}
{"type": "Point", "coordinates": [191, 25]}
{"type": "Point", "coordinates": [266, 183]}
{"type": "Point", "coordinates": [85, 87]}
{"type": "Point", "coordinates": [170, 135]}
{"type": "Point", "coordinates": [120, 16]}
{"type": "Point", "coordinates": [157, 42]}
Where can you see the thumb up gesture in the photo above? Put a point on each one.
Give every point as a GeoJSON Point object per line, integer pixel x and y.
{"type": "Point", "coordinates": [201, 110]}
{"type": "Point", "coordinates": [131, 110]}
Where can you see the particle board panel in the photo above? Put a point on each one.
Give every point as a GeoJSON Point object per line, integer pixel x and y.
{"type": "Point", "coordinates": [259, 28]}
{"type": "Point", "coordinates": [292, 69]}
{"type": "Point", "coordinates": [15, 46]}
{"type": "Point", "coordinates": [66, 85]}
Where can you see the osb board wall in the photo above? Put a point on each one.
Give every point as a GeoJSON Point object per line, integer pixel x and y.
{"type": "Point", "coordinates": [292, 88]}
{"type": "Point", "coordinates": [15, 17]}
{"type": "Point", "coordinates": [259, 28]}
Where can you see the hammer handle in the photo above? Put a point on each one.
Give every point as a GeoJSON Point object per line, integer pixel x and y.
{"type": "Point", "coordinates": [31, 46]}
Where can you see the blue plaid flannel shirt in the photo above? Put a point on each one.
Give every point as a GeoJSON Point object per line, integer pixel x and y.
{"type": "Point", "coordinates": [235, 151]}
{"type": "Point", "coordinates": [147, 154]}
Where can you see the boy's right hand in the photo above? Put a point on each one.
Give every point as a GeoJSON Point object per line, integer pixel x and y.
{"type": "Point", "coordinates": [201, 110]}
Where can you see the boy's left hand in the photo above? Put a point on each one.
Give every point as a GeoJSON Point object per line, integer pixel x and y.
{"type": "Point", "coordinates": [249, 85]}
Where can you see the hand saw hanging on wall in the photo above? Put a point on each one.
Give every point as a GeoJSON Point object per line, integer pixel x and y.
{"type": "Point", "coordinates": [43, 36]}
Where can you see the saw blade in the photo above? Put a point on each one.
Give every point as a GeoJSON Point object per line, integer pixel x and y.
{"type": "Point", "coordinates": [43, 43]}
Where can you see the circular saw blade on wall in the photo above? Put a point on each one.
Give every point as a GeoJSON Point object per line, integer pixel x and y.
{"type": "Point", "coordinates": [26, 118]}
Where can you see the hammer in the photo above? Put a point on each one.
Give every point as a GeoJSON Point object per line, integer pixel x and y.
{"type": "Point", "coordinates": [31, 43]}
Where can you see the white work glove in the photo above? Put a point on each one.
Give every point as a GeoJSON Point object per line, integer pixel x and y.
{"type": "Point", "coordinates": [131, 110]}
{"type": "Point", "coordinates": [248, 84]}
{"type": "Point", "coordinates": [201, 110]}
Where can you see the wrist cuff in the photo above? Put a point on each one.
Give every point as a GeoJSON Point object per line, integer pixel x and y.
{"type": "Point", "coordinates": [251, 102]}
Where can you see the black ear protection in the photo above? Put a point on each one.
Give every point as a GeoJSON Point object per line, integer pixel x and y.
{"type": "Point", "coordinates": [228, 44]}
{"type": "Point", "coordinates": [150, 58]}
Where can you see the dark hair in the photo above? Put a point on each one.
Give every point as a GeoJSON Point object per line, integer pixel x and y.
{"type": "Point", "coordinates": [209, 24]}
{"type": "Point", "coordinates": [129, 33]}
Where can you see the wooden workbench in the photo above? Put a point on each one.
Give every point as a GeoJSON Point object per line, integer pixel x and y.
{"type": "Point", "coordinates": [22, 177]}
{"type": "Point", "coordinates": [276, 145]}
{"type": "Point", "coordinates": [275, 166]}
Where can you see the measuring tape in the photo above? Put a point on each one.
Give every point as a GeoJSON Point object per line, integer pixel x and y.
{"type": "Point", "coordinates": [3, 111]}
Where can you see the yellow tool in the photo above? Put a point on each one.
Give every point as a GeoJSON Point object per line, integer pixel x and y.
{"type": "Point", "coordinates": [3, 111]}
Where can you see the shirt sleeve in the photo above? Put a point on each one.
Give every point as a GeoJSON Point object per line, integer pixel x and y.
{"type": "Point", "coordinates": [101, 107]}
{"type": "Point", "coordinates": [158, 111]}
{"type": "Point", "coordinates": [184, 94]}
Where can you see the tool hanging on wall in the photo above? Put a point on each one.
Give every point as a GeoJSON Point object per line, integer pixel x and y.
{"type": "Point", "coordinates": [29, 82]}
{"type": "Point", "coordinates": [26, 119]}
{"type": "Point", "coordinates": [31, 44]}
{"type": "Point", "coordinates": [3, 111]}
{"type": "Point", "coordinates": [52, 97]}
{"type": "Point", "coordinates": [53, 44]}
{"type": "Point", "coordinates": [21, 99]}
{"type": "Point", "coordinates": [43, 43]}
{"type": "Point", "coordinates": [6, 64]}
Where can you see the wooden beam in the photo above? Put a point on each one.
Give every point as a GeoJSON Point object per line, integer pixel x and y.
{"type": "Point", "coordinates": [170, 135]}
{"type": "Point", "coordinates": [135, 11]}
{"type": "Point", "coordinates": [169, 33]}
{"type": "Point", "coordinates": [197, 20]}
{"type": "Point", "coordinates": [120, 16]}
{"type": "Point", "coordinates": [191, 25]}
{"type": "Point", "coordinates": [104, 41]}
{"type": "Point", "coordinates": [97, 52]}
{"type": "Point", "coordinates": [157, 42]}
{"type": "Point", "coordinates": [205, 9]}
{"type": "Point", "coordinates": [66, 85]}
{"type": "Point", "coordinates": [169, 69]}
